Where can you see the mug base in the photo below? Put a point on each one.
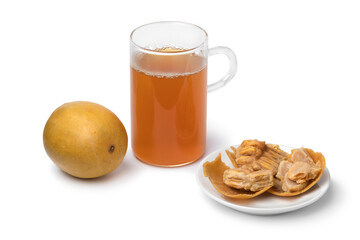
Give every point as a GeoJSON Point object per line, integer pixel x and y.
{"type": "Point", "coordinates": [168, 165]}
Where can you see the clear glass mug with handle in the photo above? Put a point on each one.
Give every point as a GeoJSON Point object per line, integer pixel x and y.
{"type": "Point", "coordinates": [168, 62]}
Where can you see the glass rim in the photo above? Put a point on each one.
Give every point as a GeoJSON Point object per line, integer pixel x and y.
{"type": "Point", "coordinates": [185, 51]}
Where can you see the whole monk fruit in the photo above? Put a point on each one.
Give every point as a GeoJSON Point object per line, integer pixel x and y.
{"type": "Point", "coordinates": [85, 139]}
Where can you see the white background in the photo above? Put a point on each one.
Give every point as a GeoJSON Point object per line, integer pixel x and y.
{"type": "Point", "coordinates": [297, 85]}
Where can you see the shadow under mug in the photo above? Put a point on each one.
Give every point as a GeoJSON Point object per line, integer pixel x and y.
{"type": "Point", "coordinates": [169, 88]}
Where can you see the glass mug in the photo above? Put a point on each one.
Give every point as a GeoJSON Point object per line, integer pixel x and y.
{"type": "Point", "coordinates": [168, 62]}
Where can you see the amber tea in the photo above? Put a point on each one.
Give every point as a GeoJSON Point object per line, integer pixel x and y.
{"type": "Point", "coordinates": [168, 103]}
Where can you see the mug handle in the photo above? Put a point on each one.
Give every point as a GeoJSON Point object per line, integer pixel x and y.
{"type": "Point", "coordinates": [232, 67]}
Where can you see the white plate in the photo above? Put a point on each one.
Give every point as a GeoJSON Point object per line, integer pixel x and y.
{"type": "Point", "coordinates": [266, 203]}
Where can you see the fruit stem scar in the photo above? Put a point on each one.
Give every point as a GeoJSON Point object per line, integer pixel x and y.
{"type": "Point", "coordinates": [111, 149]}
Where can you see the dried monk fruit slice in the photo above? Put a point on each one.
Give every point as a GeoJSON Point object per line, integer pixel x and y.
{"type": "Point", "coordinates": [255, 155]}
{"type": "Point", "coordinates": [249, 180]}
{"type": "Point", "coordinates": [299, 173]}
{"type": "Point", "coordinates": [215, 171]}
